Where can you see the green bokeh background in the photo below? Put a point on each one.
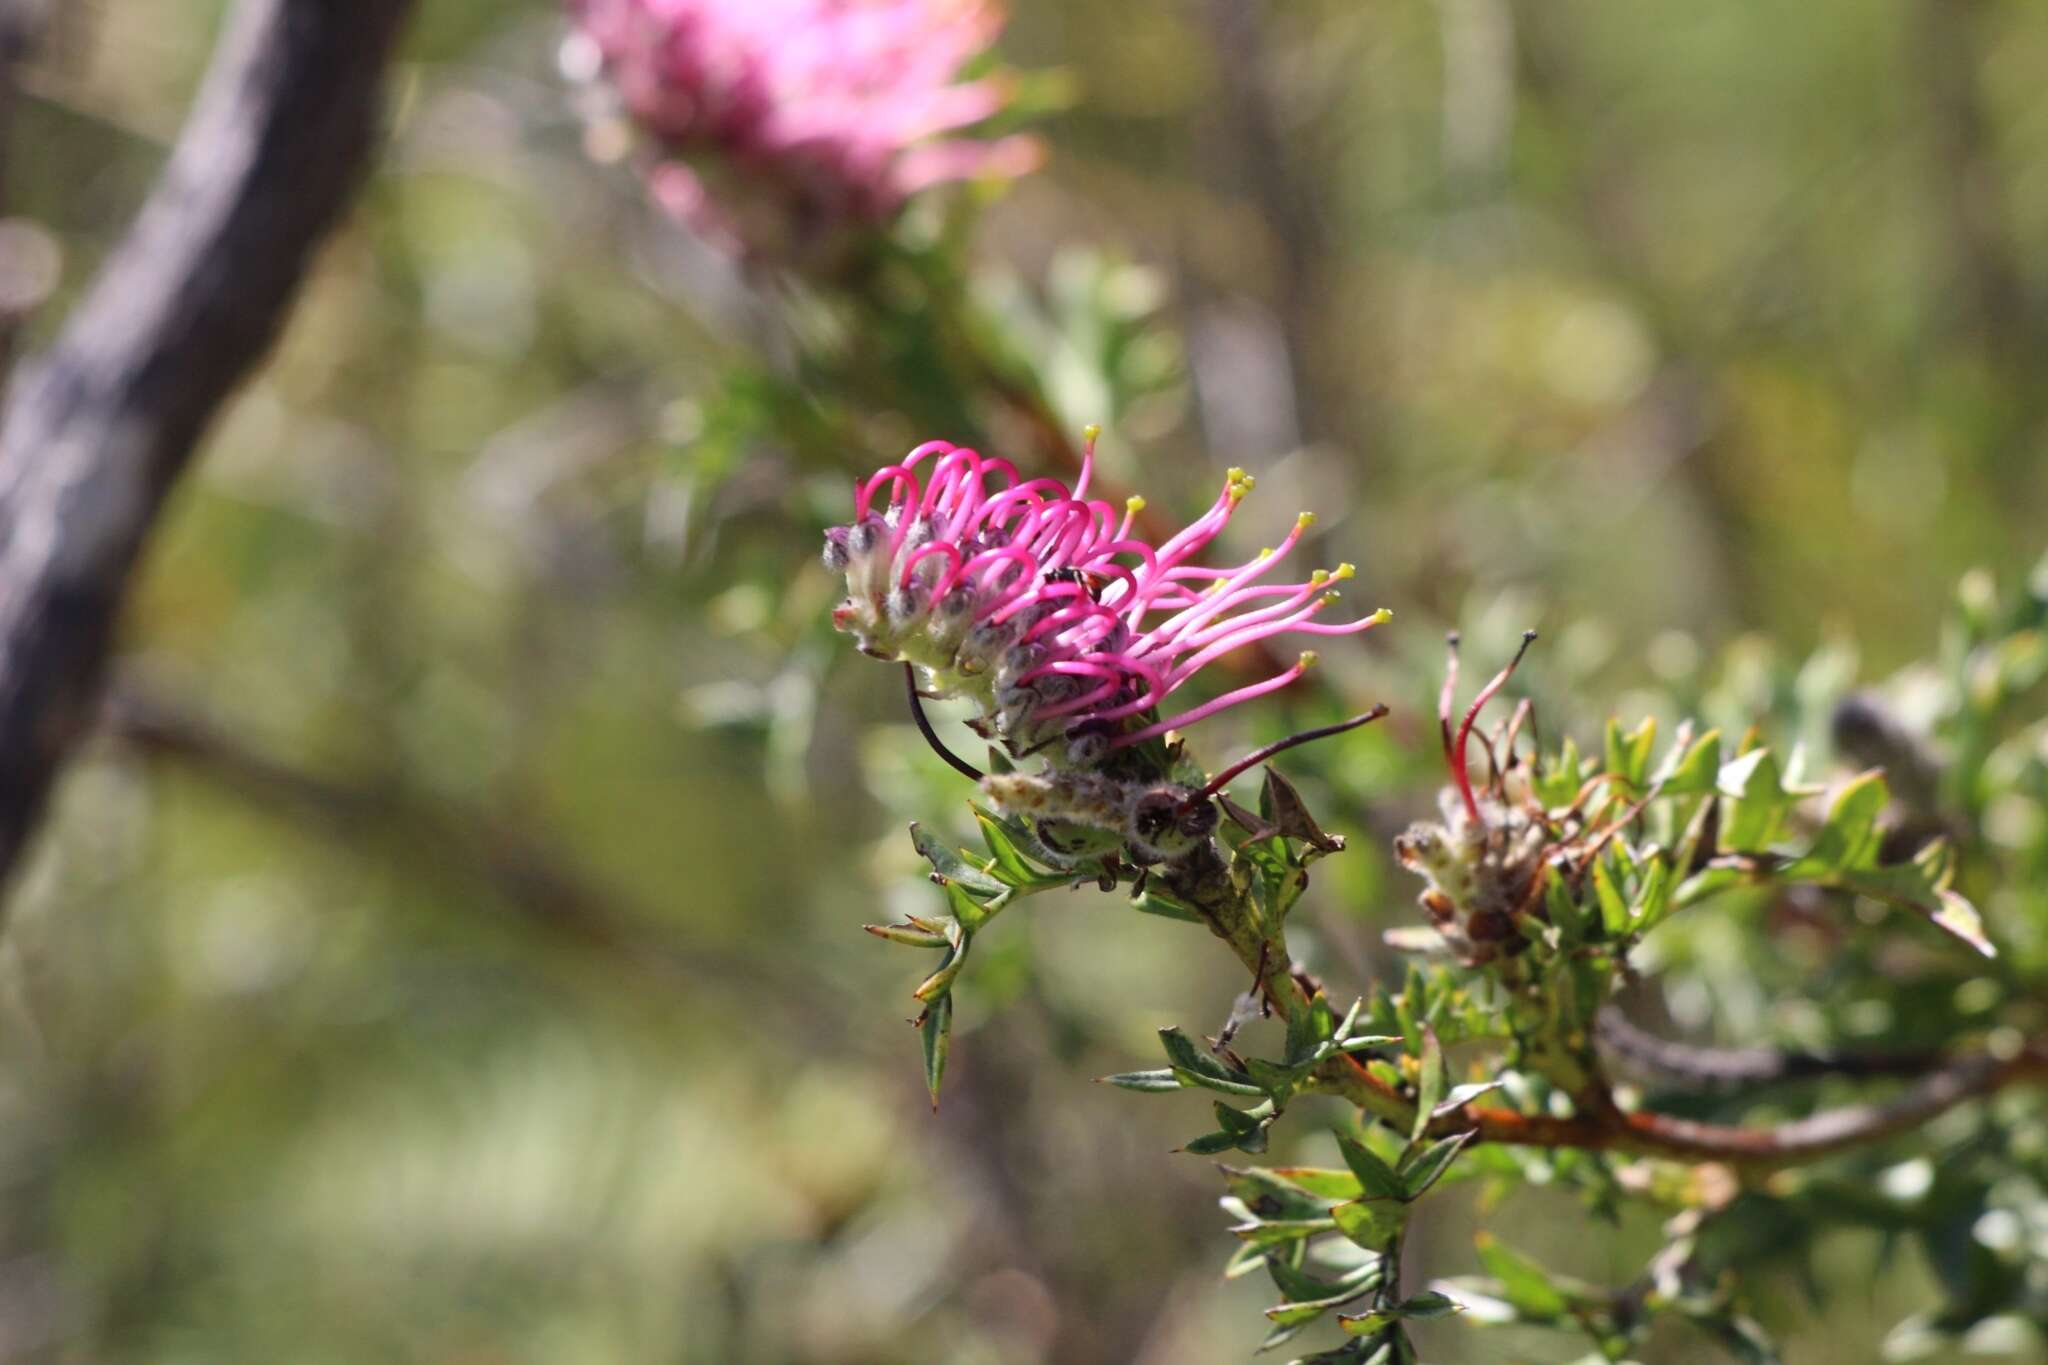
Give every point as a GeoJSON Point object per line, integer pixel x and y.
{"type": "Point", "coordinates": [467, 968]}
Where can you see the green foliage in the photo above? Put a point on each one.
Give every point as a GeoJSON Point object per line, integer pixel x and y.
{"type": "Point", "coordinates": [1633, 841]}
{"type": "Point", "coordinates": [482, 988]}
{"type": "Point", "coordinates": [977, 890]}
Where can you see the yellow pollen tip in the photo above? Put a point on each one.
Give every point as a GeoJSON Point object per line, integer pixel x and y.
{"type": "Point", "coordinates": [1134, 504]}
{"type": "Point", "coordinates": [1345, 570]}
{"type": "Point", "coordinates": [1331, 596]}
{"type": "Point", "coordinates": [1266, 552]}
{"type": "Point", "coordinates": [1309, 658]}
{"type": "Point", "coordinates": [1318, 578]}
{"type": "Point", "coordinates": [1304, 521]}
{"type": "Point", "coordinates": [1091, 433]}
{"type": "Point", "coordinates": [1381, 617]}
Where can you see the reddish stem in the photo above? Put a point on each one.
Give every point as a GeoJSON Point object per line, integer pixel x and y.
{"type": "Point", "coordinates": [1279, 746]}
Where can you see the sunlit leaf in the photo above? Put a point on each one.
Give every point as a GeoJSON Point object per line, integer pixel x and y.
{"type": "Point", "coordinates": [1523, 1283]}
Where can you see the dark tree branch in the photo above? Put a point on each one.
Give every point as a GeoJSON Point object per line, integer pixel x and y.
{"type": "Point", "coordinates": [1687, 1065]}
{"type": "Point", "coordinates": [99, 427]}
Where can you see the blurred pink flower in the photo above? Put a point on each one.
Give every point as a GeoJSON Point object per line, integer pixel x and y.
{"type": "Point", "coordinates": [1044, 607]}
{"type": "Point", "coordinates": [835, 110]}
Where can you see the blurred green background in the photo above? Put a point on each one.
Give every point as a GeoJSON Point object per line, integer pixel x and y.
{"type": "Point", "coordinates": [451, 950]}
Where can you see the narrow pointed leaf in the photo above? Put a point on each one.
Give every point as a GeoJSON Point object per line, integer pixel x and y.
{"type": "Point", "coordinates": [1613, 909]}
{"type": "Point", "coordinates": [1462, 1095]}
{"type": "Point", "coordinates": [941, 981]}
{"type": "Point", "coordinates": [1196, 1067]}
{"type": "Point", "coordinates": [1692, 771]}
{"type": "Point", "coordinates": [1523, 1283]}
{"type": "Point", "coordinates": [938, 1039]}
{"type": "Point", "coordinates": [1960, 918]}
{"type": "Point", "coordinates": [1427, 1166]}
{"type": "Point", "coordinates": [1850, 837]}
{"type": "Point", "coordinates": [1654, 899]}
{"type": "Point", "coordinates": [1376, 1179]}
{"type": "Point", "coordinates": [909, 935]}
{"type": "Point", "coordinates": [1010, 862]}
{"type": "Point", "coordinates": [1754, 787]}
{"type": "Point", "coordinates": [1427, 1305]}
{"type": "Point", "coordinates": [1166, 907]}
{"type": "Point", "coordinates": [1146, 1082]}
{"type": "Point", "coordinates": [1308, 1029]}
{"type": "Point", "coordinates": [1430, 1084]}
{"type": "Point", "coordinates": [1324, 1184]}
{"type": "Point", "coordinates": [1371, 1223]}
{"type": "Point", "coordinates": [1276, 1194]}
{"type": "Point", "coordinates": [1280, 1336]}
{"type": "Point", "coordinates": [1279, 1232]}
{"type": "Point", "coordinates": [948, 863]}
{"type": "Point", "coordinates": [969, 911]}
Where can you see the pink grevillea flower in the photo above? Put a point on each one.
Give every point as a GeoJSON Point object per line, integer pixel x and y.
{"type": "Point", "coordinates": [1045, 607]}
{"type": "Point", "coordinates": [830, 111]}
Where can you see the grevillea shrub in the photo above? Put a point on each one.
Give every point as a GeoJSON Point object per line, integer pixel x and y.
{"type": "Point", "coordinates": [1723, 972]}
{"type": "Point", "coordinates": [1567, 898]}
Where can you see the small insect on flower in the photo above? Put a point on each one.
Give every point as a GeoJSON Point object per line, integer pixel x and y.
{"type": "Point", "coordinates": [1065, 629]}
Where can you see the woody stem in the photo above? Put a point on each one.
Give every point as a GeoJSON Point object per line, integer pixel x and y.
{"type": "Point", "coordinates": [1953, 1081]}
{"type": "Point", "coordinates": [1202, 880]}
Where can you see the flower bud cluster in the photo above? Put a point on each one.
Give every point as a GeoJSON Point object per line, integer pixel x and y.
{"type": "Point", "coordinates": [775, 121]}
{"type": "Point", "coordinates": [1046, 610]}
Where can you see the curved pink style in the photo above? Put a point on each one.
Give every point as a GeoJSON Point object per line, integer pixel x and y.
{"type": "Point", "coordinates": [1081, 624]}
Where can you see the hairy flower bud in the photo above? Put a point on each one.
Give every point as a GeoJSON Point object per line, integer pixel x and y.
{"type": "Point", "coordinates": [1483, 875]}
{"type": "Point", "coordinates": [837, 553]}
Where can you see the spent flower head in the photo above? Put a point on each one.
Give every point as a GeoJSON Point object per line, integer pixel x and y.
{"type": "Point", "coordinates": [775, 122]}
{"type": "Point", "coordinates": [1047, 610]}
{"type": "Point", "coordinates": [1485, 862]}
